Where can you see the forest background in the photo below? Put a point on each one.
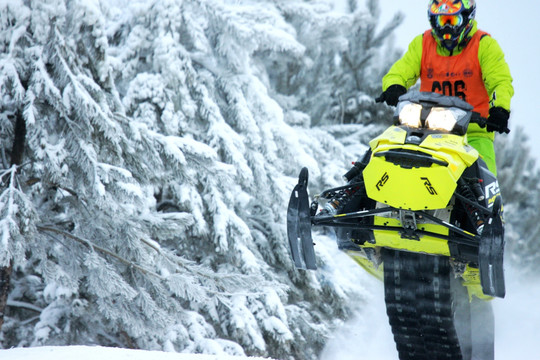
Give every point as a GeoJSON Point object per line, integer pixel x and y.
{"type": "Point", "coordinates": [148, 152]}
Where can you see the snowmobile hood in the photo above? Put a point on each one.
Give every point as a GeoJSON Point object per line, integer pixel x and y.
{"type": "Point", "coordinates": [416, 171]}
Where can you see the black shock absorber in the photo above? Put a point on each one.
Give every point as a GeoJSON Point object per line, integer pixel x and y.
{"type": "Point", "coordinates": [476, 186]}
{"type": "Point", "coordinates": [473, 195]}
{"type": "Point", "coordinates": [340, 200]}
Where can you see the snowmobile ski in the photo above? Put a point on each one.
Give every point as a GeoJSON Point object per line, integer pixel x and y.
{"type": "Point", "coordinates": [490, 255]}
{"type": "Point", "coordinates": [299, 225]}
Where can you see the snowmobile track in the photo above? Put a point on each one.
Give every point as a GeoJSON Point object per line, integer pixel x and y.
{"type": "Point", "coordinates": [422, 306]}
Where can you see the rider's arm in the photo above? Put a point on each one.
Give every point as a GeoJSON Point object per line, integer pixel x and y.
{"type": "Point", "coordinates": [496, 73]}
{"type": "Point", "coordinates": [406, 71]}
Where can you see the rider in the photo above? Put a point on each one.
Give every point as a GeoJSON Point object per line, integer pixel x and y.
{"type": "Point", "coordinates": [455, 58]}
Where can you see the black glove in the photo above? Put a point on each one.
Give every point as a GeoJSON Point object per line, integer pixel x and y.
{"type": "Point", "coordinates": [391, 95]}
{"type": "Point", "coordinates": [498, 120]}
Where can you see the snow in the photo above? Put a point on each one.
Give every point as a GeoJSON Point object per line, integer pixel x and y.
{"type": "Point", "coordinates": [103, 353]}
{"type": "Point", "coordinates": [367, 336]}
{"type": "Point", "coordinates": [517, 319]}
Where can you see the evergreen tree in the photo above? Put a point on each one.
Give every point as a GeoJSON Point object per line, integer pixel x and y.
{"type": "Point", "coordinates": [149, 206]}
{"type": "Point", "coordinates": [519, 179]}
{"type": "Point", "coordinates": [340, 72]}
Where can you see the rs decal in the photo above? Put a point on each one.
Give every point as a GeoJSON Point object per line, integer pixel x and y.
{"type": "Point", "coordinates": [428, 186]}
{"type": "Point", "coordinates": [383, 181]}
{"type": "Point", "coordinates": [492, 189]}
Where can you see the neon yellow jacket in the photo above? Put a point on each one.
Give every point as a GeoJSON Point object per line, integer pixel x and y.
{"type": "Point", "coordinates": [495, 70]}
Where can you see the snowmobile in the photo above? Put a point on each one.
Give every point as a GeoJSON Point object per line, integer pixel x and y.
{"type": "Point", "coordinates": [422, 212]}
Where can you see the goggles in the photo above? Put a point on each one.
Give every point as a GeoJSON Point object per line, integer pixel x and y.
{"type": "Point", "coordinates": [452, 20]}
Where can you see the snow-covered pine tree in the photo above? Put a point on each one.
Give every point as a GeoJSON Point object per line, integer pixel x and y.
{"type": "Point", "coordinates": [519, 179]}
{"type": "Point", "coordinates": [80, 222]}
{"type": "Point", "coordinates": [337, 78]}
{"type": "Point", "coordinates": [149, 208]}
{"type": "Point", "coordinates": [79, 218]}
{"type": "Point", "coordinates": [218, 87]}
{"type": "Point", "coordinates": [15, 212]}
{"type": "Point", "coordinates": [346, 56]}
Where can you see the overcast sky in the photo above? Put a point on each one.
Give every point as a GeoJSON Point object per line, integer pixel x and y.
{"type": "Point", "coordinates": [514, 25]}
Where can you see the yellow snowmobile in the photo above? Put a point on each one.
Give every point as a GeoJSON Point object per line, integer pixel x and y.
{"type": "Point", "coordinates": [422, 212]}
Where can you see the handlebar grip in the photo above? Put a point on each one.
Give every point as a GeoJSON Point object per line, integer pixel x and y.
{"type": "Point", "coordinates": [482, 122]}
{"type": "Point", "coordinates": [478, 119]}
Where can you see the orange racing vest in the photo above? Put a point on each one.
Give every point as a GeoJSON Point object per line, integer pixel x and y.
{"type": "Point", "coordinates": [458, 75]}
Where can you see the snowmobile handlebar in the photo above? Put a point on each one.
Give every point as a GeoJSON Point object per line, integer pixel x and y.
{"type": "Point", "coordinates": [482, 122]}
{"type": "Point", "coordinates": [478, 119]}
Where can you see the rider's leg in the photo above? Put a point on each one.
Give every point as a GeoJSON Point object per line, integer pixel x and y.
{"type": "Point", "coordinates": [484, 146]}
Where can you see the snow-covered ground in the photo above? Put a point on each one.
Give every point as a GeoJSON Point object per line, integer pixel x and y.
{"type": "Point", "coordinates": [517, 325]}
{"type": "Point", "coordinates": [102, 353]}
{"type": "Point", "coordinates": [367, 336]}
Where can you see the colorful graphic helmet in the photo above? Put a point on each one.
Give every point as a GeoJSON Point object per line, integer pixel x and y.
{"type": "Point", "coordinates": [451, 20]}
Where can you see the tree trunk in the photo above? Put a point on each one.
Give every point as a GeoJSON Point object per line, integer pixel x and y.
{"type": "Point", "coordinates": [16, 159]}
{"type": "Point", "coordinates": [5, 275]}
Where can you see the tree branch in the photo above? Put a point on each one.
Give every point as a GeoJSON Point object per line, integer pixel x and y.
{"type": "Point", "coordinates": [24, 305]}
{"type": "Point", "coordinates": [92, 246]}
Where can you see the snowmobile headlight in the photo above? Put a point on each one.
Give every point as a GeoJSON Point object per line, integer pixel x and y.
{"type": "Point", "coordinates": [410, 115]}
{"type": "Point", "coordinates": [443, 118]}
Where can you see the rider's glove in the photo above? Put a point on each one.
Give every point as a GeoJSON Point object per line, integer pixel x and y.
{"type": "Point", "coordinates": [391, 95]}
{"type": "Point", "coordinates": [498, 120]}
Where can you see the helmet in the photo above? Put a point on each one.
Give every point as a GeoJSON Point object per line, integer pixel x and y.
{"type": "Point", "coordinates": [451, 20]}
